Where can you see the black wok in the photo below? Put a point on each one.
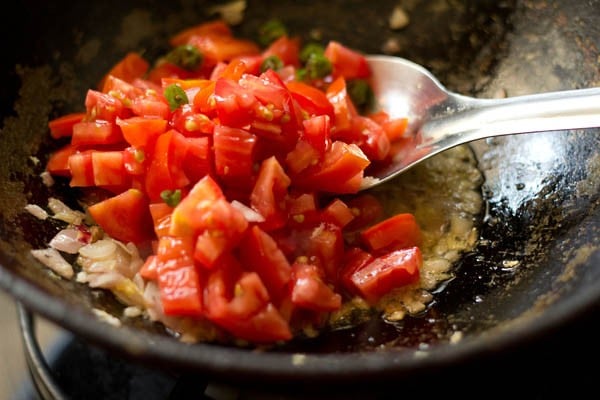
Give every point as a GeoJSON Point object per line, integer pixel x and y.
{"type": "Point", "coordinates": [531, 280]}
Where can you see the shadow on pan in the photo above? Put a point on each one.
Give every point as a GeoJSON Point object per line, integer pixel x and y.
{"type": "Point", "coordinates": [533, 271]}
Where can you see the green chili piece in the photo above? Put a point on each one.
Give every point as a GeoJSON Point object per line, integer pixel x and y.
{"type": "Point", "coordinates": [175, 96]}
{"type": "Point", "coordinates": [361, 93]}
{"type": "Point", "coordinates": [271, 31]}
{"type": "Point", "coordinates": [171, 197]}
{"type": "Point", "coordinates": [309, 49]}
{"type": "Point", "coordinates": [185, 56]}
{"type": "Point", "coordinates": [272, 62]}
{"type": "Point", "coordinates": [318, 66]}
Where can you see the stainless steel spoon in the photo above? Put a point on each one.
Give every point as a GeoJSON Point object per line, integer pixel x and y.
{"type": "Point", "coordinates": [440, 119]}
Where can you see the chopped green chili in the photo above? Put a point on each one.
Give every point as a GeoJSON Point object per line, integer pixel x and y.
{"type": "Point", "coordinates": [171, 197]}
{"type": "Point", "coordinates": [271, 31]}
{"type": "Point", "coordinates": [317, 66]}
{"type": "Point", "coordinates": [186, 56]}
{"type": "Point", "coordinates": [175, 96]}
{"type": "Point", "coordinates": [361, 93]}
{"type": "Point", "coordinates": [309, 49]}
{"type": "Point", "coordinates": [272, 62]}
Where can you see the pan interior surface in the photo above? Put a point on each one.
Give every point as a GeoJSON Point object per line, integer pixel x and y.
{"type": "Point", "coordinates": [533, 265]}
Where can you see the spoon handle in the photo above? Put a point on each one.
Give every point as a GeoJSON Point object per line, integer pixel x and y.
{"type": "Point", "coordinates": [461, 119]}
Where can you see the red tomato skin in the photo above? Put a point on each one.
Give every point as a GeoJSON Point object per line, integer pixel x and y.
{"type": "Point", "coordinates": [386, 272]}
{"type": "Point", "coordinates": [261, 254]}
{"type": "Point", "coordinates": [179, 282]}
{"type": "Point", "coordinates": [347, 62]}
{"type": "Point", "coordinates": [233, 152]}
{"type": "Point", "coordinates": [124, 217]}
{"type": "Point", "coordinates": [58, 162]}
{"type": "Point", "coordinates": [308, 290]}
{"type": "Point", "coordinates": [269, 193]}
{"type": "Point", "coordinates": [311, 99]}
{"type": "Point", "coordinates": [97, 132]}
{"type": "Point", "coordinates": [141, 131]}
{"type": "Point", "coordinates": [396, 232]}
{"type": "Point", "coordinates": [63, 125]}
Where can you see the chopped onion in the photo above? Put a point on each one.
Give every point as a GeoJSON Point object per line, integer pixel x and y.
{"type": "Point", "coordinates": [67, 240]}
{"type": "Point", "coordinates": [101, 249]}
{"type": "Point", "coordinates": [55, 261]}
{"type": "Point", "coordinates": [36, 211]}
{"type": "Point", "coordinates": [248, 213]}
{"type": "Point", "coordinates": [65, 213]}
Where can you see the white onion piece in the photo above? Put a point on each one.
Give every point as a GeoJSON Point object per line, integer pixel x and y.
{"type": "Point", "coordinates": [67, 240]}
{"type": "Point", "coordinates": [55, 261]}
{"type": "Point", "coordinates": [99, 250]}
{"type": "Point", "coordinates": [36, 211]}
{"type": "Point", "coordinates": [248, 213]}
{"type": "Point", "coordinates": [65, 213]}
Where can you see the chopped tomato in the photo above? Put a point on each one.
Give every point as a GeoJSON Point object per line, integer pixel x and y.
{"type": "Point", "coordinates": [181, 290]}
{"type": "Point", "coordinates": [63, 126]}
{"type": "Point", "coordinates": [311, 99]}
{"type": "Point", "coordinates": [261, 254]}
{"type": "Point", "coordinates": [269, 193]}
{"type": "Point", "coordinates": [384, 273]}
{"type": "Point", "coordinates": [397, 232]}
{"type": "Point", "coordinates": [58, 163]}
{"type": "Point", "coordinates": [310, 291]}
{"type": "Point", "coordinates": [241, 179]}
{"type": "Point", "coordinates": [124, 217]}
{"type": "Point", "coordinates": [347, 62]}
{"type": "Point", "coordinates": [129, 68]}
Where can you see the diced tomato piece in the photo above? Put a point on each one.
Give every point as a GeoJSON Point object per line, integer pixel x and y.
{"type": "Point", "coordinates": [102, 106]}
{"type": "Point", "coordinates": [149, 270]}
{"type": "Point", "coordinates": [161, 214]}
{"type": "Point", "coordinates": [217, 48]}
{"type": "Point", "coordinates": [286, 48]}
{"type": "Point", "coordinates": [367, 210]}
{"type": "Point", "coordinates": [151, 106]}
{"type": "Point", "coordinates": [129, 68]}
{"type": "Point", "coordinates": [181, 290]}
{"type": "Point", "coordinates": [191, 123]}
{"type": "Point", "coordinates": [325, 248]}
{"type": "Point", "coordinates": [167, 70]}
{"type": "Point", "coordinates": [343, 107]}
{"type": "Point", "coordinates": [310, 291]}
{"type": "Point", "coordinates": [81, 169]}
{"type": "Point", "coordinates": [96, 132]}
{"type": "Point", "coordinates": [262, 255]}
{"type": "Point", "coordinates": [316, 132]}
{"type": "Point", "coordinates": [58, 163]}
{"type": "Point", "coordinates": [301, 157]}
{"type": "Point", "coordinates": [126, 92]}
{"type": "Point", "coordinates": [235, 105]}
{"type": "Point", "coordinates": [397, 232]}
{"type": "Point", "coordinates": [311, 99]}
{"type": "Point", "coordinates": [134, 161]}
{"type": "Point", "coordinates": [354, 259]}
{"type": "Point", "coordinates": [140, 131]}
{"type": "Point", "coordinates": [368, 135]}
{"type": "Point", "coordinates": [108, 168]}
{"type": "Point", "coordinates": [165, 170]}
{"type": "Point", "coordinates": [211, 28]}
{"type": "Point", "coordinates": [199, 158]}
{"type": "Point", "coordinates": [189, 214]}
{"type": "Point", "coordinates": [233, 152]}
{"type": "Point", "coordinates": [269, 192]}
{"type": "Point", "coordinates": [124, 217]}
{"type": "Point", "coordinates": [222, 227]}
{"type": "Point", "coordinates": [337, 173]}
{"type": "Point", "coordinates": [389, 271]}
{"type": "Point", "coordinates": [63, 126]}
{"type": "Point", "coordinates": [347, 62]}
{"type": "Point", "coordinates": [238, 302]}
{"type": "Point", "coordinates": [338, 213]}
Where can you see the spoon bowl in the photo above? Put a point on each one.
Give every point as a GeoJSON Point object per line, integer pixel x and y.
{"type": "Point", "coordinates": [440, 119]}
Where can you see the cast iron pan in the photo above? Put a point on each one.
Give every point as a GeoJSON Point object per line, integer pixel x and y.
{"type": "Point", "coordinates": [541, 190]}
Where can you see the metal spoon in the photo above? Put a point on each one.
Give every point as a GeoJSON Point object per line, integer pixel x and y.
{"type": "Point", "coordinates": [440, 119]}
